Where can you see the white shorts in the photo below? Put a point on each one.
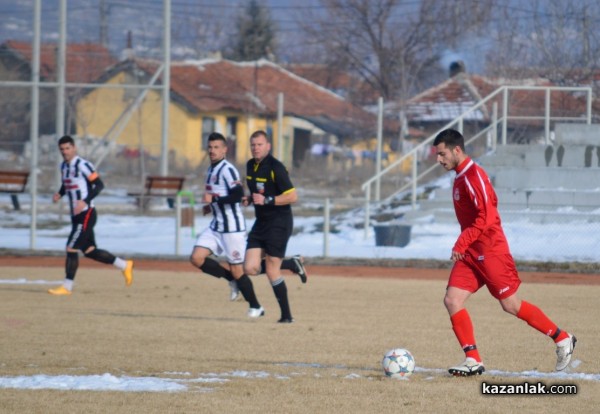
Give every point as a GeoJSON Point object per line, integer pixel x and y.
{"type": "Point", "coordinates": [232, 245]}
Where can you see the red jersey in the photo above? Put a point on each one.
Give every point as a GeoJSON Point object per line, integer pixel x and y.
{"type": "Point", "coordinates": [476, 208]}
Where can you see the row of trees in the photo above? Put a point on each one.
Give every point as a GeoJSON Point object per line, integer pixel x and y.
{"type": "Point", "coordinates": [397, 46]}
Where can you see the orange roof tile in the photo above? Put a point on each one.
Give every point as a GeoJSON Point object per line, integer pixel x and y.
{"type": "Point", "coordinates": [253, 87]}
{"type": "Point", "coordinates": [85, 62]}
{"type": "Point", "coordinates": [339, 81]}
{"type": "Point", "coordinates": [446, 101]}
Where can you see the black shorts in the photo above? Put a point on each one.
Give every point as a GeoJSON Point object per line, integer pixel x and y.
{"type": "Point", "coordinates": [82, 230]}
{"type": "Point", "coordinates": [271, 235]}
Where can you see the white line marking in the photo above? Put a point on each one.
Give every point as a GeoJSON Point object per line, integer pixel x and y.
{"type": "Point", "coordinates": [23, 281]}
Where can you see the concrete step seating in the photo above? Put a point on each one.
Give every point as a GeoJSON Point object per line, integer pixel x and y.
{"type": "Point", "coordinates": [540, 183]}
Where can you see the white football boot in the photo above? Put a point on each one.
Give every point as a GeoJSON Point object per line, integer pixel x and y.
{"type": "Point", "coordinates": [564, 351]}
{"type": "Point", "coordinates": [256, 313]}
{"type": "Point", "coordinates": [234, 291]}
{"type": "Point", "coordinates": [469, 367]}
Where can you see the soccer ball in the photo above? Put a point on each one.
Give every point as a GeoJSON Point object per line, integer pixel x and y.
{"type": "Point", "coordinates": [398, 363]}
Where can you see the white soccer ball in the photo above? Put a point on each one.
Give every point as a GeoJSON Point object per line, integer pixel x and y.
{"type": "Point", "coordinates": [398, 363]}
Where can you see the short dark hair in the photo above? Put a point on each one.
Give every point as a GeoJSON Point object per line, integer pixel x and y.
{"type": "Point", "coordinates": [260, 132]}
{"type": "Point", "coordinates": [451, 137]}
{"type": "Point", "coordinates": [66, 139]}
{"type": "Point", "coordinates": [215, 136]}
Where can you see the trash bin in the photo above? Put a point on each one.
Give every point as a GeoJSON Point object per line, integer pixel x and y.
{"type": "Point", "coordinates": [397, 235]}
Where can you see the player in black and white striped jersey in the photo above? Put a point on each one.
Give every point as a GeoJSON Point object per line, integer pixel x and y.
{"type": "Point", "coordinates": [225, 188]}
{"type": "Point", "coordinates": [226, 234]}
{"type": "Point", "coordinates": [81, 184]}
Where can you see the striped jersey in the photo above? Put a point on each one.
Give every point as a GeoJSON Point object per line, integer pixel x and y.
{"type": "Point", "coordinates": [76, 178]}
{"type": "Point", "coordinates": [221, 178]}
{"type": "Point", "coordinates": [476, 207]}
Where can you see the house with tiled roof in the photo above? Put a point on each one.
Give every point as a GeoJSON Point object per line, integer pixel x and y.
{"type": "Point", "coordinates": [234, 98]}
{"type": "Point", "coordinates": [84, 63]}
{"type": "Point", "coordinates": [337, 80]}
{"type": "Point", "coordinates": [436, 106]}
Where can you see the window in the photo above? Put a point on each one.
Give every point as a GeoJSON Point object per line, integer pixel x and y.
{"type": "Point", "coordinates": [208, 127]}
{"type": "Point", "coordinates": [230, 128]}
{"type": "Point", "coordinates": [231, 136]}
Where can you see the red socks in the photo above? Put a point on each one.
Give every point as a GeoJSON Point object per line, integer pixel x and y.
{"type": "Point", "coordinates": [463, 329]}
{"type": "Point", "coordinates": [538, 320]}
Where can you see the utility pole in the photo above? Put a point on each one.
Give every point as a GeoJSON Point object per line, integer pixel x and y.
{"type": "Point", "coordinates": [586, 38]}
{"type": "Point", "coordinates": [103, 23]}
{"type": "Point", "coordinates": [60, 90]}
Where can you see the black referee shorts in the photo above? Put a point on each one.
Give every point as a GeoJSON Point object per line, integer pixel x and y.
{"type": "Point", "coordinates": [271, 235]}
{"type": "Point", "coordinates": [82, 230]}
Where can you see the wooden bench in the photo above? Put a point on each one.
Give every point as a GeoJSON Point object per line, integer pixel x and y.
{"type": "Point", "coordinates": [13, 183]}
{"type": "Point", "coordinates": [158, 186]}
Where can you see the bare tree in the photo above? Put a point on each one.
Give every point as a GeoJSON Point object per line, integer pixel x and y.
{"type": "Point", "coordinates": [393, 45]}
{"type": "Point", "coordinates": [201, 31]}
{"type": "Point", "coordinates": [556, 39]}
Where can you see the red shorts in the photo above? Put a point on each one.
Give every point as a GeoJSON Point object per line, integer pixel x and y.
{"type": "Point", "coordinates": [498, 273]}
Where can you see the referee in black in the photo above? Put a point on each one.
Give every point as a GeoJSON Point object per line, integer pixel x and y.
{"type": "Point", "coordinates": [272, 193]}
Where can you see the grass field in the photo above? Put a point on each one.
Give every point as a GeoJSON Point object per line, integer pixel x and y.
{"type": "Point", "coordinates": [181, 328]}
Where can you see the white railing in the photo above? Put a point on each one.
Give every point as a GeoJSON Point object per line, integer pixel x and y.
{"type": "Point", "coordinates": [499, 96]}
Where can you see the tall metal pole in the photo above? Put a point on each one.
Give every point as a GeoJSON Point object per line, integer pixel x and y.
{"type": "Point", "coordinates": [547, 118]}
{"type": "Point", "coordinates": [326, 225]}
{"type": "Point", "coordinates": [280, 126]}
{"type": "Point", "coordinates": [164, 145]}
{"type": "Point", "coordinates": [60, 90]}
{"type": "Point", "coordinates": [379, 149]}
{"type": "Point", "coordinates": [504, 115]}
{"type": "Point", "coordinates": [103, 23]}
{"type": "Point", "coordinates": [34, 125]}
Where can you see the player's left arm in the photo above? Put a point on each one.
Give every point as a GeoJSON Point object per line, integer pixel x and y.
{"type": "Point", "coordinates": [235, 189]}
{"type": "Point", "coordinates": [285, 188]}
{"type": "Point", "coordinates": [235, 195]}
{"type": "Point", "coordinates": [95, 187]}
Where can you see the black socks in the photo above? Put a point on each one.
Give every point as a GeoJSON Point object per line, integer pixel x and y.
{"type": "Point", "coordinates": [247, 288]}
{"type": "Point", "coordinates": [213, 268]}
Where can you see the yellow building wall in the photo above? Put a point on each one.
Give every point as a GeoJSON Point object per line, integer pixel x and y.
{"type": "Point", "coordinates": [100, 109]}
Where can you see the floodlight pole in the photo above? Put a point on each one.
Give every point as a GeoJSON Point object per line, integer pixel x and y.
{"type": "Point", "coordinates": [379, 149]}
{"type": "Point", "coordinates": [60, 89]}
{"type": "Point", "coordinates": [35, 116]}
{"type": "Point", "coordinates": [280, 126]}
{"type": "Point", "coordinates": [166, 84]}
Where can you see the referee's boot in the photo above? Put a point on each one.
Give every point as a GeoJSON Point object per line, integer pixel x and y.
{"type": "Point", "coordinates": [467, 368]}
{"type": "Point", "coordinates": [128, 273]}
{"type": "Point", "coordinates": [300, 269]}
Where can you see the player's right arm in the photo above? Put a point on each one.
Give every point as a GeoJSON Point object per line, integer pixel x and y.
{"type": "Point", "coordinates": [481, 198]}
{"type": "Point", "coordinates": [57, 196]}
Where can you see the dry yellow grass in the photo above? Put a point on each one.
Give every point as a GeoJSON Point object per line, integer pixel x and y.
{"type": "Point", "coordinates": [181, 325]}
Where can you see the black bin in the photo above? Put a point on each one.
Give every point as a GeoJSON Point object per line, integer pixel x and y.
{"type": "Point", "coordinates": [397, 235]}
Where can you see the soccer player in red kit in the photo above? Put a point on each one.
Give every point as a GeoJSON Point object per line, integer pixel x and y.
{"type": "Point", "coordinates": [481, 256]}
